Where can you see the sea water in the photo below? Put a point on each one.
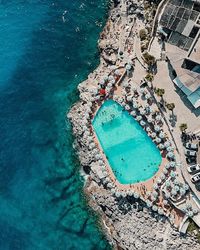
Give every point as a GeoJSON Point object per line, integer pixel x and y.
{"type": "Point", "coordinates": [46, 49]}
{"type": "Point", "coordinates": [131, 153]}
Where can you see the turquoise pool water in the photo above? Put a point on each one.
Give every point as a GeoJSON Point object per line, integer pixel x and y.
{"type": "Point", "coordinates": [131, 153]}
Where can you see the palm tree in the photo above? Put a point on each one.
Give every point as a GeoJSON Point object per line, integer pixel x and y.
{"type": "Point", "coordinates": [183, 127]}
{"type": "Point", "coordinates": [149, 77]}
{"type": "Point", "coordinates": [171, 106]}
{"type": "Point", "coordinates": [160, 93]}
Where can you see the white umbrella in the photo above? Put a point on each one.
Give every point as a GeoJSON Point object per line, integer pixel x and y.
{"type": "Point", "coordinates": [92, 145]}
{"type": "Point", "coordinates": [195, 211]}
{"type": "Point", "coordinates": [154, 208]}
{"type": "Point", "coordinates": [186, 187]}
{"type": "Point", "coordinates": [127, 107]}
{"type": "Point", "coordinates": [129, 98]}
{"type": "Point", "coordinates": [142, 90]}
{"type": "Point", "coordinates": [98, 156]}
{"type": "Point", "coordinates": [149, 119]}
{"type": "Point", "coordinates": [109, 85]}
{"type": "Point", "coordinates": [148, 129]}
{"type": "Point", "coordinates": [117, 72]}
{"type": "Point", "coordinates": [105, 78]}
{"type": "Point", "coordinates": [170, 155]}
{"type": "Point", "coordinates": [123, 92]}
{"type": "Point", "coordinates": [165, 202]}
{"type": "Point", "coordinates": [142, 123]}
{"type": "Point", "coordinates": [139, 118]}
{"type": "Point", "coordinates": [161, 146]}
{"type": "Point", "coordinates": [165, 171]}
{"type": "Point", "coordinates": [160, 211]}
{"type": "Point", "coordinates": [155, 186]}
{"type": "Point", "coordinates": [158, 118]}
{"type": "Point", "coordinates": [162, 177]}
{"type": "Point", "coordinates": [174, 192]}
{"type": "Point", "coordinates": [101, 163]}
{"type": "Point", "coordinates": [153, 135]}
{"type": "Point", "coordinates": [110, 78]}
{"type": "Point", "coordinates": [146, 106]}
{"type": "Point", "coordinates": [147, 96]}
{"type": "Point", "coordinates": [134, 88]}
{"type": "Point", "coordinates": [109, 185]}
{"type": "Point", "coordinates": [169, 149]}
{"type": "Point", "coordinates": [153, 198]}
{"type": "Point", "coordinates": [173, 174]}
{"type": "Point", "coordinates": [135, 105]}
{"type": "Point", "coordinates": [136, 195]}
{"type": "Point", "coordinates": [117, 194]}
{"type": "Point", "coordinates": [190, 214]}
{"type": "Point", "coordinates": [158, 140]}
{"type": "Point", "coordinates": [157, 128]}
{"type": "Point", "coordinates": [148, 193]}
{"type": "Point", "coordinates": [182, 191]}
{"type": "Point", "coordinates": [188, 206]}
{"type": "Point", "coordinates": [155, 194]}
{"type": "Point", "coordinates": [133, 113]}
{"type": "Point", "coordinates": [162, 135]}
{"type": "Point", "coordinates": [149, 203]}
{"type": "Point", "coordinates": [95, 151]}
{"type": "Point", "coordinates": [168, 183]}
{"type": "Point", "coordinates": [159, 181]}
{"type": "Point", "coordinates": [167, 144]}
{"type": "Point", "coordinates": [134, 99]}
{"type": "Point", "coordinates": [126, 84]}
{"type": "Point", "coordinates": [128, 67]}
{"type": "Point", "coordinates": [167, 195]}
{"type": "Point", "coordinates": [176, 188]}
{"type": "Point", "coordinates": [167, 166]}
{"type": "Point", "coordinates": [142, 112]}
{"type": "Point", "coordinates": [172, 164]}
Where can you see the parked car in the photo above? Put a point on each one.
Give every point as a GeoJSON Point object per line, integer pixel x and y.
{"type": "Point", "coordinates": [197, 185]}
{"type": "Point", "coordinates": [195, 178]}
{"type": "Point", "coordinates": [190, 153]}
{"type": "Point", "coordinates": [191, 160]}
{"type": "Point", "coordinates": [192, 146]}
{"type": "Point", "coordinates": [193, 168]}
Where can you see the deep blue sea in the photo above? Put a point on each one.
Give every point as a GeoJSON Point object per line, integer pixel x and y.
{"type": "Point", "coordinates": [46, 48]}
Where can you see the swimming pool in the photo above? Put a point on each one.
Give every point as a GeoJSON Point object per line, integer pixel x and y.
{"type": "Point", "coordinates": [131, 154]}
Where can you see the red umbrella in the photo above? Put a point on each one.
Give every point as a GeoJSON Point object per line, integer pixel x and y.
{"type": "Point", "coordinates": [102, 92]}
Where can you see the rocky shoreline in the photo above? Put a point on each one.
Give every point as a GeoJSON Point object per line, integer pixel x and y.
{"type": "Point", "coordinates": [127, 222]}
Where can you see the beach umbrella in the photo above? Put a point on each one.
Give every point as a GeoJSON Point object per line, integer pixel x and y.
{"type": "Point", "coordinates": [135, 105]}
{"type": "Point", "coordinates": [157, 128]}
{"type": "Point", "coordinates": [182, 191]}
{"type": "Point", "coordinates": [165, 171]}
{"type": "Point", "coordinates": [133, 113]}
{"type": "Point", "coordinates": [155, 186]}
{"type": "Point", "coordinates": [186, 187]}
{"type": "Point", "coordinates": [169, 149]}
{"type": "Point", "coordinates": [173, 174]}
{"type": "Point", "coordinates": [195, 211]}
{"type": "Point", "coordinates": [162, 177]}
{"type": "Point", "coordinates": [117, 72]}
{"type": "Point", "coordinates": [123, 92]}
{"type": "Point", "coordinates": [159, 181]}
{"type": "Point", "coordinates": [172, 164]}
{"type": "Point", "coordinates": [124, 194]}
{"type": "Point", "coordinates": [142, 123]}
{"type": "Point", "coordinates": [148, 129]}
{"type": "Point", "coordinates": [146, 106]}
{"type": "Point", "coordinates": [167, 195]}
{"type": "Point", "coordinates": [167, 166]}
{"type": "Point", "coordinates": [142, 90]}
{"type": "Point", "coordinates": [158, 140]}
{"type": "Point", "coordinates": [130, 192]}
{"type": "Point", "coordinates": [155, 194]}
{"type": "Point", "coordinates": [136, 195]}
{"type": "Point", "coordinates": [162, 135]}
{"type": "Point", "coordinates": [190, 214]}
{"type": "Point", "coordinates": [174, 192]}
{"type": "Point", "coordinates": [134, 88]}
{"type": "Point", "coordinates": [148, 193]}
{"type": "Point", "coordinates": [176, 182]}
{"type": "Point", "coordinates": [161, 146]}
{"type": "Point", "coordinates": [170, 155]}
{"type": "Point", "coordinates": [134, 99]}
{"type": "Point", "coordinates": [110, 78]}
{"type": "Point", "coordinates": [149, 203]}
{"type": "Point", "coordinates": [155, 208]}
{"type": "Point", "coordinates": [86, 133]}
{"type": "Point", "coordinates": [87, 116]}
{"type": "Point", "coordinates": [168, 183]}
{"type": "Point", "coordinates": [139, 118]}
{"type": "Point", "coordinates": [95, 151]}
{"type": "Point", "coordinates": [153, 198]}
{"type": "Point", "coordinates": [160, 211]}
{"type": "Point", "coordinates": [153, 135]}
{"type": "Point", "coordinates": [109, 185]}
{"type": "Point", "coordinates": [188, 206]}
{"type": "Point", "coordinates": [149, 119]}
{"type": "Point", "coordinates": [127, 107]}
{"type": "Point", "coordinates": [142, 112]}
{"type": "Point", "coordinates": [176, 188]}
{"type": "Point", "coordinates": [109, 85]}
{"type": "Point", "coordinates": [97, 156]}
{"type": "Point", "coordinates": [147, 96]}
{"type": "Point", "coordinates": [167, 144]}
{"type": "Point", "coordinates": [165, 202]}
{"type": "Point", "coordinates": [92, 145]}
{"type": "Point", "coordinates": [117, 194]}
{"type": "Point", "coordinates": [101, 163]}
{"type": "Point", "coordinates": [158, 118]}
{"type": "Point", "coordinates": [97, 98]}
{"type": "Point", "coordinates": [129, 98]}
{"type": "Point", "coordinates": [123, 103]}
{"type": "Point", "coordinates": [128, 66]}
{"type": "Point", "coordinates": [126, 84]}
{"type": "Point", "coordinates": [105, 78]}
